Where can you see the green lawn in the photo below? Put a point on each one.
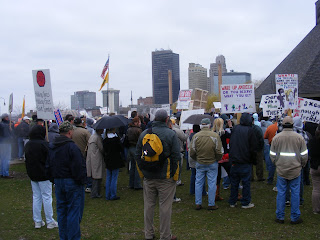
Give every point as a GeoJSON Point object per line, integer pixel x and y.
{"type": "Point", "coordinates": [123, 219]}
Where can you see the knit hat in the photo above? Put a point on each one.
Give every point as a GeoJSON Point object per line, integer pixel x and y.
{"type": "Point", "coordinates": [205, 121]}
{"type": "Point", "coordinates": [65, 127]}
{"type": "Point", "coordinates": [287, 121]}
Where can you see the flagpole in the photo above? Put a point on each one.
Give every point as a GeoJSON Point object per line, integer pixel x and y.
{"type": "Point", "coordinates": [108, 98]}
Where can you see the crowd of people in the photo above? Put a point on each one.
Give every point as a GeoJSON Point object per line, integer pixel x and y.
{"type": "Point", "coordinates": [76, 156]}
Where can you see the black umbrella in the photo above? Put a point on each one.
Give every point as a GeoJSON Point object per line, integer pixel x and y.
{"type": "Point", "coordinates": [109, 122]}
{"type": "Point", "coordinates": [196, 118]}
{"type": "Point", "coordinates": [123, 119]}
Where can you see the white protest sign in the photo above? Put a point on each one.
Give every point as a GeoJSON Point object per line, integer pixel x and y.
{"type": "Point", "coordinates": [308, 110]}
{"type": "Point", "coordinates": [237, 98]}
{"type": "Point", "coordinates": [287, 90]}
{"type": "Point", "coordinates": [43, 94]}
{"type": "Point", "coordinates": [183, 105]}
{"type": "Point", "coordinates": [185, 115]}
{"type": "Point", "coordinates": [270, 105]}
{"type": "Point", "coordinates": [184, 99]}
{"type": "Point", "coordinates": [217, 104]}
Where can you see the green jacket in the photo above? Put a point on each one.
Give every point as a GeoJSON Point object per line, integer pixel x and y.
{"type": "Point", "coordinates": [206, 147]}
{"type": "Point", "coordinates": [171, 149]}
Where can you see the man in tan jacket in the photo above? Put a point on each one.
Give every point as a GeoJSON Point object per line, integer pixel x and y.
{"type": "Point", "coordinates": [206, 148]}
{"type": "Point", "coordinates": [289, 153]}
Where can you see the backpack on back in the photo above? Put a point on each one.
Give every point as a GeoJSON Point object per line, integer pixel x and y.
{"type": "Point", "coordinates": [152, 152]}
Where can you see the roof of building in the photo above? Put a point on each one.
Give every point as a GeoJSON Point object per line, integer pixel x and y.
{"type": "Point", "coordinates": [303, 60]}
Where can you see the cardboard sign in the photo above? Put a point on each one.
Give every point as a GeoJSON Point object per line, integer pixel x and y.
{"type": "Point", "coordinates": [43, 94]}
{"type": "Point", "coordinates": [287, 90]}
{"type": "Point", "coordinates": [308, 110]}
{"type": "Point", "coordinates": [237, 98]}
{"type": "Point", "coordinates": [270, 105]}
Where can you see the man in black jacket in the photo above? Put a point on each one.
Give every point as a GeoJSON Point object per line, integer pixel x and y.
{"type": "Point", "coordinates": [67, 168]}
{"type": "Point", "coordinates": [243, 148]}
{"type": "Point", "coordinates": [22, 132]}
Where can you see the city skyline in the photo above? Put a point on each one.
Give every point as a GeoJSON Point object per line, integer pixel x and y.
{"type": "Point", "coordinates": [74, 42]}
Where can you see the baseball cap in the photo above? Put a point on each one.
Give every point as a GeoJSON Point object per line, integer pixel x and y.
{"type": "Point", "coordinates": [287, 121]}
{"type": "Point", "coordinates": [205, 121]}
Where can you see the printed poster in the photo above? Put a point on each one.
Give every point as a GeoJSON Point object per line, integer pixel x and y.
{"type": "Point", "coordinates": [308, 110]}
{"type": "Point", "coordinates": [237, 98]}
{"type": "Point", "coordinates": [184, 99]}
{"type": "Point", "coordinates": [287, 90]}
{"type": "Point", "coordinates": [43, 94]}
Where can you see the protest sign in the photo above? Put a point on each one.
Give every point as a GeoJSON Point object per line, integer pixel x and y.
{"type": "Point", "coordinates": [58, 116]}
{"type": "Point", "coordinates": [43, 94]}
{"type": "Point", "coordinates": [237, 98]}
{"type": "Point", "coordinates": [10, 108]}
{"type": "Point", "coordinates": [184, 99]}
{"type": "Point", "coordinates": [217, 104]}
{"type": "Point", "coordinates": [185, 115]}
{"type": "Point", "coordinates": [287, 90]}
{"type": "Point", "coordinates": [308, 110]}
{"type": "Point", "coordinates": [270, 105]}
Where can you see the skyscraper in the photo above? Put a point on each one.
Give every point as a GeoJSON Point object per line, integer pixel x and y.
{"type": "Point", "coordinates": [113, 100]}
{"type": "Point", "coordinates": [83, 100]}
{"type": "Point", "coordinates": [162, 61]}
{"type": "Point", "coordinates": [214, 70]}
{"type": "Point", "coordinates": [197, 76]}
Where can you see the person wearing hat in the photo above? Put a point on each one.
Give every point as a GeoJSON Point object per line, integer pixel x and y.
{"type": "Point", "coordinates": [5, 145]}
{"type": "Point", "coordinates": [289, 153]}
{"type": "Point", "coordinates": [66, 168]}
{"type": "Point", "coordinates": [160, 183]}
{"type": "Point", "coordinates": [206, 148]}
{"type": "Point", "coordinates": [22, 132]}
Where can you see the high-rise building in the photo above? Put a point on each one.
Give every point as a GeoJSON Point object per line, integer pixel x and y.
{"type": "Point", "coordinates": [83, 100]}
{"type": "Point", "coordinates": [113, 100]}
{"type": "Point", "coordinates": [229, 78]}
{"type": "Point", "coordinates": [162, 61]}
{"type": "Point", "coordinates": [197, 76]}
{"type": "Point", "coordinates": [214, 69]}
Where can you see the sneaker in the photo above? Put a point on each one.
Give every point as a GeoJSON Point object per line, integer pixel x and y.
{"type": "Point", "coordinates": [198, 207]}
{"type": "Point", "coordinates": [177, 199]}
{"type": "Point", "coordinates": [233, 205]}
{"type": "Point", "coordinates": [88, 190]}
{"type": "Point", "coordinates": [279, 221]}
{"type": "Point", "coordinates": [225, 188]}
{"type": "Point", "coordinates": [53, 224]}
{"type": "Point", "coordinates": [296, 222]}
{"type": "Point", "coordinates": [39, 224]}
{"type": "Point", "coordinates": [275, 189]}
{"type": "Point", "coordinates": [250, 205]}
{"type": "Point", "coordinates": [288, 204]}
{"type": "Point", "coordinates": [211, 208]}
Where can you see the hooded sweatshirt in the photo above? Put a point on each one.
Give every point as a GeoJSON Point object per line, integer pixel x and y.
{"type": "Point", "coordinates": [36, 151]}
{"type": "Point", "coordinates": [53, 131]}
{"type": "Point", "coordinates": [65, 160]}
{"type": "Point", "coordinates": [243, 142]}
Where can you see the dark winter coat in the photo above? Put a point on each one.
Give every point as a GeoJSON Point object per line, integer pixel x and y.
{"type": "Point", "coordinates": [314, 153]}
{"type": "Point", "coordinates": [22, 130]}
{"type": "Point", "coordinates": [36, 152]}
{"type": "Point", "coordinates": [65, 160]}
{"type": "Point", "coordinates": [243, 142]}
{"type": "Point", "coordinates": [112, 153]}
{"type": "Point", "coordinates": [5, 132]}
{"type": "Point", "coordinates": [133, 134]}
{"type": "Point", "coordinates": [53, 132]}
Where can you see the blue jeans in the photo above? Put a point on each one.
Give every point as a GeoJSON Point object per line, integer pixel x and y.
{"type": "Point", "coordinates": [193, 183]}
{"type": "Point", "coordinates": [111, 183]}
{"type": "Point", "coordinates": [70, 204]}
{"type": "Point", "coordinates": [134, 179]}
{"type": "Point", "coordinates": [294, 185]}
{"type": "Point", "coordinates": [5, 156]}
{"type": "Point", "coordinates": [270, 166]}
{"type": "Point", "coordinates": [240, 172]}
{"type": "Point", "coordinates": [301, 189]}
{"type": "Point", "coordinates": [226, 182]}
{"type": "Point", "coordinates": [20, 147]}
{"type": "Point", "coordinates": [211, 170]}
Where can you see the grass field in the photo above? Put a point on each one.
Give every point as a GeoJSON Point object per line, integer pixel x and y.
{"type": "Point", "coordinates": [123, 219]}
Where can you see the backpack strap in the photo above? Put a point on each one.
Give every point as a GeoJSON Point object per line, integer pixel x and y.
{"type": "Point", "coordinates": [149, 130]}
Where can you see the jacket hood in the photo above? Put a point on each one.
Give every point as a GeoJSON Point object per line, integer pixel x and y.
{"type": "Point", "coordinates": [54, 128]}
{"type": "Point", "coordinates": [37, 132]}
{"type": "Point", "coordinates": [255, 116]}
{"type": "Point", "coordinates": [297, 123]}
{"type": "Point", "coordinates": [246, 119]}
{"type": "Point", "coordinates": [60, 140]}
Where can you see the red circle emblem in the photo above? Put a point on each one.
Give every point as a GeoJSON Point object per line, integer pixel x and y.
{"type": "Point", "coordinates": [41, 80]}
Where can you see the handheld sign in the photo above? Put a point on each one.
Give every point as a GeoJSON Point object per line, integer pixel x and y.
{"type": "Point", "coordinates": [43, 94]}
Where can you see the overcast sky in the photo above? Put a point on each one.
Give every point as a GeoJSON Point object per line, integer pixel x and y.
{"type": "Point", "coordinates": [73, 40]}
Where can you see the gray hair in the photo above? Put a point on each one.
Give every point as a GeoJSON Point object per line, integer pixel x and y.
{"type": "Point", "coordinates": [161, 115]}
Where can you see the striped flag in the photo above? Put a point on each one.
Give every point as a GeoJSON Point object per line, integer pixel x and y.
{"type": "Point", "coordinates": [23, 107]}
{"type": "Point", "coordinates": [105, 74]}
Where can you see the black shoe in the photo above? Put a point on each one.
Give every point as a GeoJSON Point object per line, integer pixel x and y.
{"type": "Point", "coordinates": [198, 207]}
{"type": "Point", "coordinates": [116, 198]}
{"type": "Point", "coordinates": [279, 221]}
{"type": "Point", "coordinates": [296, 222]}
